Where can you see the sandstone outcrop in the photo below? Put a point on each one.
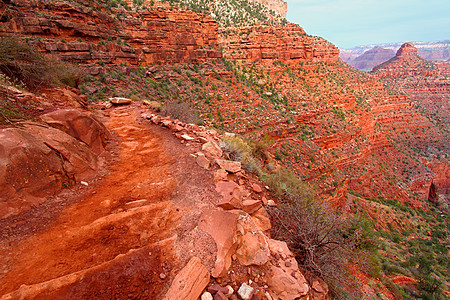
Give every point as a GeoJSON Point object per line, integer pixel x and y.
{"type": "Point", "coordinates": [37, 161]}
{"type": "Point", "coordinates": [407, 49]}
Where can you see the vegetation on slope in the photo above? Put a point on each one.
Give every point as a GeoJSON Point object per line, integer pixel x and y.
{"type": "Point", "coordinates": [257, 102]}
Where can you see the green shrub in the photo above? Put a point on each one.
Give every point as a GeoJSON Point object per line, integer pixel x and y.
{"type": "Point", "coordinates": [19, 60]}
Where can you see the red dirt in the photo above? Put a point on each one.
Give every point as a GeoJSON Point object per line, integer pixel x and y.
{"type": "Point", "coordinates": [119, 233]}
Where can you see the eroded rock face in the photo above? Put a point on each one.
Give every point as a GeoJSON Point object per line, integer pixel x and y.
{"type": "Point", "coordinates": [253, 246]}
{"type": "Point", "coordinates": [285, 280]}
{"type": "Point", "coordinates": [35, 161]}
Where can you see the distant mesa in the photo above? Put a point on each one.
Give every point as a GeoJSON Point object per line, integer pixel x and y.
{"type": "Point", "coordinates": [371, 58]}
{"type": "Point", "coordinates": [361, 57]}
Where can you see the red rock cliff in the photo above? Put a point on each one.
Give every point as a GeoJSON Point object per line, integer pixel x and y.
{"type": "Point", "coordinates": [80, 33]}
{"type": "Point", "coordinates": [266, 44]}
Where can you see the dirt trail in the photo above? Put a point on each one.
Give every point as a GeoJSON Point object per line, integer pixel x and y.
{"type": "Point", "coordinates": [118, 237]}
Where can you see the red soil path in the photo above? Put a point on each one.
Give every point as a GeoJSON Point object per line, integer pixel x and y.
{"type": "Point", "coordinates": [117, 237]}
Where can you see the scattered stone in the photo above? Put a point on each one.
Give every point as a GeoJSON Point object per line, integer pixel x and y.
{"type": "Point", "coordinates": [187, 137]}
{"type": "Point", "coordinates": [202, 161]}
{"type": "Point", "coordinates": [189, 282]}
{"type": "Point", "coordinates": [156, 119]}
{"type": "Point", "coordinates": [229, 291]}
{"type": "Point", "coordinates": [206, 296]}
{"type": "Point", "coordinates": [166, 123]}
{"type": "Point", "coordinates": [279, 247]}
{"type": "Point", "coordinates": [318, 287]}
{"type": "Point", "coordinates": [262, 219]}
{"type": "Point", "coordinates": [212, 148]}
{"type": "Point", "coordinates": [245, 291]}
{"type": "Point", "coordinates": [255, 297]}
{"type": "Point", "coordinates": [283, 285]}
{"type": "Point", "coordinates": [217, 288]}
{"type": "Point", "coordinates": [221, 174]}
{"type": "Point", "coordinates": [268, 296]}
{"type": "Point", "coordinates": [176, 127]}
{"type": "Point", "coordinates": [257, 188]}
{"type": "Point", "coordinates": [251, 206]}
{"type": "Point", "coordinates": [271, 203]}
{"type": "Point", "coordinates": [147, 116]}
{"type": "Point", "coordinates": [220, 296]}
{"type": "Point", "coordinates": [264, 200]}
{"type": "Point", "coordinates": [120, 101]}
{"type": "Point", "coordinates": [162, 276]}
{"type": "Point", "coordinates": [84, 183]}
{"type": "Point", "coordinates": [229, 165]}
{"type": "Point", "coordinates": [253, 248]}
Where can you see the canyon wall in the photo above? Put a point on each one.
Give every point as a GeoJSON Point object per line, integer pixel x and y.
{"type": "Point", "coordinates": [84, 34]}
{"type": "Point", "coordinates": [265, 44]}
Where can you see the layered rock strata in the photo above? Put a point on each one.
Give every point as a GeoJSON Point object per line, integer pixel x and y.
{"type": "Point", "coordinates": [78, 32]}
{"type": "Point", "coordinates": [265, 45]}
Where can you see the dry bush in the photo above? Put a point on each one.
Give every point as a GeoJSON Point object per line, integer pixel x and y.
{"type": "Point", "coordinates": [20, 61]}
{"type": "Point", "coordinates": [240, 150]}
{"type": "Point", "coordinates": [324, 242]}
{"type": "Point", "coordinates": [181, 111]}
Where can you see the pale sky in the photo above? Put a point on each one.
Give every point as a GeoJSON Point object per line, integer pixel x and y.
{"type": "Point", "coordinates": [349, 23]}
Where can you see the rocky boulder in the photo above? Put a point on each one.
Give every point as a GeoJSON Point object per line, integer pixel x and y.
{"type": "Point", "coordinates": [253, 246]}
{"type": "Point", "coordinates": [189, 282]}
{"type": "Point", "coordinates": [221, 225]}
{"type": "Point", "coordinates": [36, 161]}
{"type": "Point", "coordinates": [81, 125]}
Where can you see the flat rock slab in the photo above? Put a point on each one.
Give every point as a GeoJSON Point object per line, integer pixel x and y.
{"type": "Point", "coordinates": [229, 165]}
{"type": "Point", "coordinates": [190, 282]}
{"type": "Point", "coordinates": [120, 101]}
{"type": "Point", "coordinates": [221, 225]}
